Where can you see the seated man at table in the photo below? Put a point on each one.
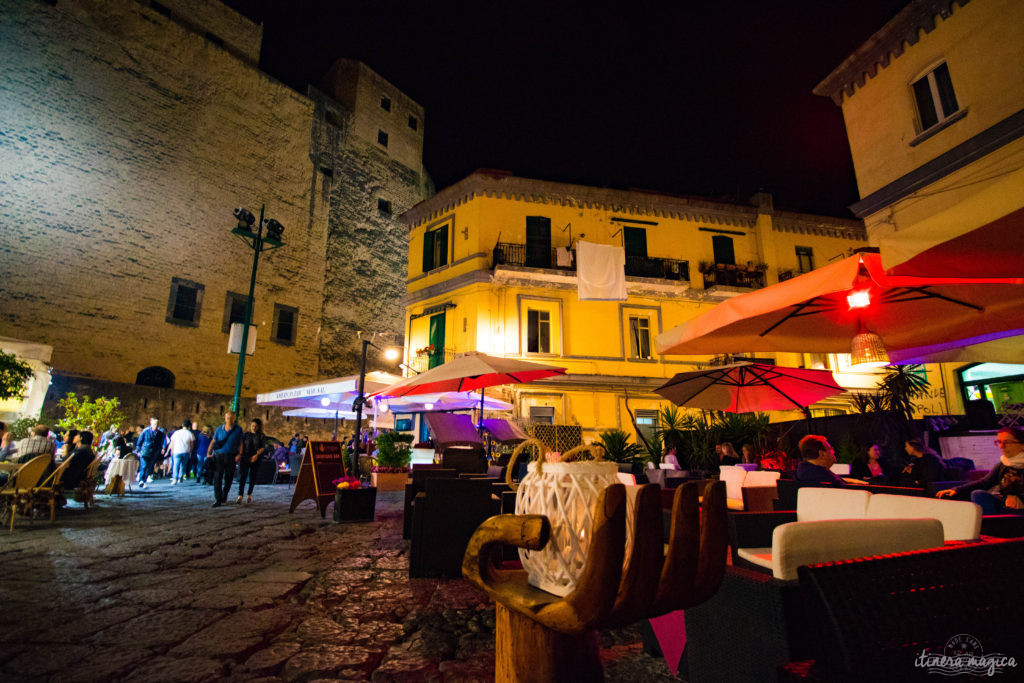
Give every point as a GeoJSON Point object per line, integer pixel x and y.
{"type": "Point", "coordinates": [81, 458]}
{"type": "Point", "coordinates": [817, 456]}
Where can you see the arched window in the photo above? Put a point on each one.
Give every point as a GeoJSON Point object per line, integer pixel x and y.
{"type": "Point", "coordinates": [155, 376]}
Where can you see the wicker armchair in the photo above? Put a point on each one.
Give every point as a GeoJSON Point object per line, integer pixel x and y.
{"type": "Point", "coordinates": [16, 496]}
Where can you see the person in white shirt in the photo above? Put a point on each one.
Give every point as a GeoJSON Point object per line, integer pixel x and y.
{"type": "Point", "coordinates": [180, 448]}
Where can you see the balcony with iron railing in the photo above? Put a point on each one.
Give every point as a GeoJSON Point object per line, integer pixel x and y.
{"type": "Point", "coordinates": [559, 258]}
{"type": "Point", "coordinates": [750, 276]}
{"type": "Point", "coordinates": [423, 359]}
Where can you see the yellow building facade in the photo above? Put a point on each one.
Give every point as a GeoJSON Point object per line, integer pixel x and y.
{"type": "Point", "coordinates": [934, 110]}
{"type": "Point", "coordinates": [492, 268]}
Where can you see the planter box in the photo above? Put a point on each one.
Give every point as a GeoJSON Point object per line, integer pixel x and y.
{"type": "Point", "coordinates": [355, 505]}
{"type": "Point", "coordinates": [389, 481]}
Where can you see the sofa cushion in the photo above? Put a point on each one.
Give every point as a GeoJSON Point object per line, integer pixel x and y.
{"type": "Point", "coordinates": [761, 478]}
{"type": "Point", "coordinates": [733, 477]}
{"type": "Point", "coordinates": [762, 557]}
{"type": "Point", "coordinates": [961, 520]}
{"type": "Point", "coordinates": [800, 543]}
{"type": "Point", "coordinates": [817, 503]}
{"type": "Point", "coordinates": [840, 468]}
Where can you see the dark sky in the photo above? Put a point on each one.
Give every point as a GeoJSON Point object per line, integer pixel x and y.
{"type": "Point", "coordinates": [698, 98]}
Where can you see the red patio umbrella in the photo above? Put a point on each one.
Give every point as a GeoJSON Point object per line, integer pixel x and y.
{"type": "Point", "coordinates": [815, 312]}
{"type": "Point", "coordinates": [749, 387]}
{"type": "Point", "coordinates": [470, 371]}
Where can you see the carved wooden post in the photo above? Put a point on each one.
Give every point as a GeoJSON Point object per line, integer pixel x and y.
{"type": "Point", "coordinates": [540, 636]}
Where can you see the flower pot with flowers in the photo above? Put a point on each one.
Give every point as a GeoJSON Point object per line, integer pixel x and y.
{"type": "Point", "coordinates": [427, 350]}
{"type": "Point", "coordinates": [353, 502]}
{"type": "Point", "coordinates": [392, 469]}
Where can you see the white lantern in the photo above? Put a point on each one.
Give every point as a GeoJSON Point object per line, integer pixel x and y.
{"type": "Point", "coordinates": [564, 492]}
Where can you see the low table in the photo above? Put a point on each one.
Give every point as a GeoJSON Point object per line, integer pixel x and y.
{"type": "Point", "coordinates": [126, 469]}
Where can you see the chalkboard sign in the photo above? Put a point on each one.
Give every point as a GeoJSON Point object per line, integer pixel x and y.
{"type": "Point", "coordinates": [321, 465]}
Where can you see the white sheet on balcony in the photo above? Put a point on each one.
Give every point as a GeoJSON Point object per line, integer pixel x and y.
{"type": "Point", "coordinates": [563, 257]}
{"type": "Point", "coordinates": [601, 272]}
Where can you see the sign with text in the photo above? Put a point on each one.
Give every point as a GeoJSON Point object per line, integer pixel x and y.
{"type": "Point", "coordinates": [321, 465]}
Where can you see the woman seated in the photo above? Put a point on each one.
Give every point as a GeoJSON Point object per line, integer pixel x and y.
{"type": "Point", "coordinates": [868, 466]}
{"type": "Point", "coordinates": [727, 454]}
{"type": "Point", "coordinates": [1001, 491]}
{"type": "Point", "coordinates": [924, 467]}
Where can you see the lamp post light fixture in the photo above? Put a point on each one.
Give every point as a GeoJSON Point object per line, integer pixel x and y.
{"type": "Point", "coordinates": [258, 242]}
{"type": "Point", "coordinates": [390, 354]}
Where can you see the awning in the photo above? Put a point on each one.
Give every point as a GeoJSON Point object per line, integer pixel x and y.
{"type": "Point", "coordinates": [939, 248]}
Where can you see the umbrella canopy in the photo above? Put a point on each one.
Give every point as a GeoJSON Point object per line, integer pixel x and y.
{"type": "Point", "coordinates": [448, 400]}
{"type": "Point", "coordinates": [953, 248]}
{"type": "Point", "coordinates": [338, 392]}
{"type": "Point", "coordinates": [749, 387]}
{"type": "Point", "coordinates": [981, 349]}
{"type": "Point", "coordinates": [814, 312]}
{"type": "Point", "coordinates": [473, 370]}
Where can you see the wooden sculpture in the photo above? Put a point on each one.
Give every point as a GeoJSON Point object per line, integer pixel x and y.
{"type": "Point", "coordinates": [541, 637]}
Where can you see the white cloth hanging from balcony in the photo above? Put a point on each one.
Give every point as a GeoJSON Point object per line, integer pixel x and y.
{"type": "Point", "coordinates": [601, 272]}
{"type": "Point", "coordinates": [563, 257]}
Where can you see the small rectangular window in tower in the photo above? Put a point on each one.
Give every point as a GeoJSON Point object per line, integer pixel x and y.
{"type": "Point", "coordinates": [538, 331]}
{"type": "Point", "coordinates": [804, 259]}
{"type": "Point", "coordinates": [382, 138]}
{"type": "Point", "coordinates": [185, 303]}
{"type": "Point", "coordinates": [414, 122]}
{"type": "Point", "coordinates": [385, 103]}
{"type": "Point", "coordinates": [286, 322]}
{"type": "Point", "coordinates": [639, 338]}
{"type": "Point", "coordinates": [384, 206]}
{"type": "Point", "coordinates": [935, 98]}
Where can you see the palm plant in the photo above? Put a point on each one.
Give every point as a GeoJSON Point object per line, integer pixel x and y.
{"type": "Point", "coordinates": [672, 429]}
{"type": "Point", "coordinates": [901, 387]}
{"type": "Point", "coordinates": [618, 448]}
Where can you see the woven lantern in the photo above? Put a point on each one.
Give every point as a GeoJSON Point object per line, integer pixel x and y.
{"type": "Point", "coordinates": [565, 493]}
{"type": "Point", "coordinates": [867, 350]}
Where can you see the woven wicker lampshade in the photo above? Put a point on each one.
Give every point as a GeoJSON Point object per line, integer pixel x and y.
{"type": "Point", "coordinates": [867, 350]}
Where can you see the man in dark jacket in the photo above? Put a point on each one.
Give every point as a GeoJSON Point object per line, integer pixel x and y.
{"type": "Point", "coordinates": [150, 446]}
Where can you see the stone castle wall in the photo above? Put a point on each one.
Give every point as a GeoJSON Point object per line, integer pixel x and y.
{"type": "Point", "coordinates": [128, 137]}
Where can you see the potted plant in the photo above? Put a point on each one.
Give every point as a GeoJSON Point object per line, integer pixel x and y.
{"type": "Point", "coordinates": [392, 469]}
{"type": "Point", "coordinates": [618, 449]}
{"type": "Point", "coordinates": [353, 502]}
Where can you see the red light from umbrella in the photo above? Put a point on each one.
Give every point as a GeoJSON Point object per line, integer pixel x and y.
{"type": "Point", "coordinates": [861, 299]}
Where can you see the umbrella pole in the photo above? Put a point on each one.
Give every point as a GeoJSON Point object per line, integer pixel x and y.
{"type": "Point", "coordinates": [335, 437]}
{"type": "Point", "coordinates": [480, 424]}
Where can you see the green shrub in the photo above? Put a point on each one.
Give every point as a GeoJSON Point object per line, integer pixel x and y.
{"type": "Point", "coordinates": [618, 448]}
{"type": "Point", "coordinates": [394, 450]}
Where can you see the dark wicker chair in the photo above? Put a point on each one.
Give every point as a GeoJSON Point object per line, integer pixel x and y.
{"type": "Point", "coordinates": [873, 618]}
{"type": "Point", "coordinates": [444, 518]}
{"type": "Point", "coordinates": [420, 475]}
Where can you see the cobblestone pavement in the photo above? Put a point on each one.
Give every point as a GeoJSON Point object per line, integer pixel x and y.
{"type": "Point", "coordinates": [156, 586]}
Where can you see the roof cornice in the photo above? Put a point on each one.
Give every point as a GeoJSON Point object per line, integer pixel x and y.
{"type": "Point", "coordinates": [627, 202]}
{"type": "Point", "coordinates": [887, 44]}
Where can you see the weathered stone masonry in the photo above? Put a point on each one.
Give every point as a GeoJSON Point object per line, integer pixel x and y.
{"type": "Point", "coordinates": [128, 132]}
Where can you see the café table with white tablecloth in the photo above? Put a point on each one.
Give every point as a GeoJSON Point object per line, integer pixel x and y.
{"type": "Point", "coordinates": [127, 468]}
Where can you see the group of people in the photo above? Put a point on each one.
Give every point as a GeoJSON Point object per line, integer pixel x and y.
{"type": "Point", "coordinates": [42, 442]}
{"type": "Point", "coordinates": [213, 458]}
{"type": "Point", "coordinates": [1000, 491]}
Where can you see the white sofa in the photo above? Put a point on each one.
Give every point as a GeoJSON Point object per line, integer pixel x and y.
{"type": "Point", "coordinates": [837, 524]}
{"type": "Point", "coordinates": [737, 478]}
{"type": "Point", "coordinates": [800, 543]}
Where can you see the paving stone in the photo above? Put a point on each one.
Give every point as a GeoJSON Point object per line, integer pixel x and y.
{"type": "Point", "coordinates": [270, 659]}
{"type": "Point", "coordinates": [239, 634]}
{"type": "Point", "coordinates": [324, 660]}
{"type": "Point", "coordinates": [178, 670]}
{"type": "Point", "coordinates": [157, 587]}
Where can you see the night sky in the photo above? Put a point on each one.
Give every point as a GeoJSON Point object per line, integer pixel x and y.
{"type": "Point", "coordinates": [696, 98]}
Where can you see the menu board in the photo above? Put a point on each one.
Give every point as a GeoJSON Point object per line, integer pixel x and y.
{"type": "Point", "coordinates": [321, 465]}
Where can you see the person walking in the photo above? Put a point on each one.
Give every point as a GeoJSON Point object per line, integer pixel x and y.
{"type": "Point", "coordinates": [254, 445]}
{"type": "Point", "coordinates": [204, 468]}
{"type": "Point", "coordinates": [180, 449]}
{"type": "Point", "coordinates": [149, 446]}
{"type": "Point", "coordinates": [225, 450]}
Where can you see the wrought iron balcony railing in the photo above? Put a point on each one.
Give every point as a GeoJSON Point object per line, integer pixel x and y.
{"type": "Point", "coordinates": [509, 254]}
{"type": "Point", "coordinates": [734, 276]}
{"type": "Point", "coordinates": [421, 362]}
{"type": "Point", "coordinates": [663, 268]}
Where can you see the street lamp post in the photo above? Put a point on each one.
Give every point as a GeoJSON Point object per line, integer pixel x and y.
{"type": "Point", "coordinates": [390, 354]}
{"type": "Point", "coordinates": [258, 242]}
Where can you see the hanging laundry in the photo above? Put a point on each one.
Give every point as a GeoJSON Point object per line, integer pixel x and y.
{"type": "Point", "coordinates": [601, 272]}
